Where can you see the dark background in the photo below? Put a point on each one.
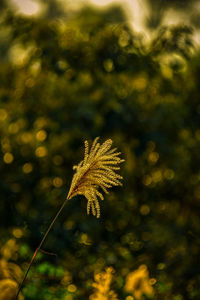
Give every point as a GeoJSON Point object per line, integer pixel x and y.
{"type": "Point", "coordinates": [67, 76]}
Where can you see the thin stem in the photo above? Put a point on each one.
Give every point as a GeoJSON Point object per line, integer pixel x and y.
{"type": "Point", "coordinates": [40, 245]}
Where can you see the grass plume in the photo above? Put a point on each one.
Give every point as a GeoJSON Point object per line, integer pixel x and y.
{"type": "Point", "coordinates": [96, 170]}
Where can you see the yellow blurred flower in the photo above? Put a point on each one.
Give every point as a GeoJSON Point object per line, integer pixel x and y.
{"type": "Point", "coordinates": [139, 283]}
{"type": "Point", "coordinates": [102, 286]}
{"type": "Point", "coordinates": [9, 249]}
{"type": "Point", "coordinates": [10, 275]}
{"type": "Point", "coordinates": [8, 290]}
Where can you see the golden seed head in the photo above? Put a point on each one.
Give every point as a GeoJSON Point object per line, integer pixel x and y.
{"type": "Point", "coordinates": [96, 170]}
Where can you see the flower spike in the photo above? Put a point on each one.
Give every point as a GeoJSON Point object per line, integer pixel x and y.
{"type": "Point", "coordinates": [96, 170]}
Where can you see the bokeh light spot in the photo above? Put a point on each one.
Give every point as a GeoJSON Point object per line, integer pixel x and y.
{"type": "Point", "coordinates": [27, 7]}
{"type": "Point", "coordinates": [69, 224]}
{"type": "Point", "coordinates": [57, 182]}
{"type": "Point", "coordinates": [19, 55]}
{"type": "Point", "coordinates": [40, 122]}
{"type": "Point", "coordinates": [72, 288]}
{"type": "Point", "coordinates": [3, 114]}
{"type": "Point", "coordinates": [144, 210]}
{"type": "Point", "coordinates": [69, 297]}
{"type": "Point", "coordinates": [157, 176]}
{"type": "Point", "coordinates": [84, 239]}
{"type": "Point", "coordinates": [17, 232]}
{"type": "Point", "coordinates": [41, 135]}
{"type": "Point", "coordinates": [153, 157]}
{"type": "Point", "coordinates": [57, 160]}
{"type": "Point", "coordinates": [27, 168]}
{"type": "Point", "coordinates": [108, 65]}
{"type": "Point", "coordinates": [8, 158]}
{"type": "Point", "coordinates": [140, 83]}
{"type": "Point", "coordinates": [129, 298]}
{"type": "Point", "coordinates": [169, 174]}
{"type": "Point", "coordinates": [152, 281]}
{"type": "Point", "coordinates": [13, 128]}
{"type": "Point", "coordinates": [26, 137]}
{"type": "Point", "coordinates": [161, 266]}
{"type": "Point", "coordinates": [147, 180]}
{"type": "Point", "coordinates": [41, 151]}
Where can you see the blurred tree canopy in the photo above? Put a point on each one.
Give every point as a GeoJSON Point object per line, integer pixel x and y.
{"type": "Point", "coordinates": [64, 79]}
{"type": "Point", "coordinates": [157, 10]}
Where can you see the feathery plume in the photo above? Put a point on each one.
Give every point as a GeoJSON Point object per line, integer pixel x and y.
{"type": "Point", "coordinates": [96, 170]}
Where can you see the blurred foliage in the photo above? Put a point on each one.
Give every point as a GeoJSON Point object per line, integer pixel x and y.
{"type": "Point", "coordinates": [157, 9]}
{"type": "Point", "coordinates": [64, 80]}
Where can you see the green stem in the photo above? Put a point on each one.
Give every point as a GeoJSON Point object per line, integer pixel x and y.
{"type": "Point", "coordinates": [40, 245]}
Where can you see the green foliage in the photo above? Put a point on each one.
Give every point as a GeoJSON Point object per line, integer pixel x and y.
{"type": "Point", "coordinates": [67, 80]}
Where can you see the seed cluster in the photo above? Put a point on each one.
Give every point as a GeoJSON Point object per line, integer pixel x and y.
{"type": "Point", "coordinates": [96, 170]}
